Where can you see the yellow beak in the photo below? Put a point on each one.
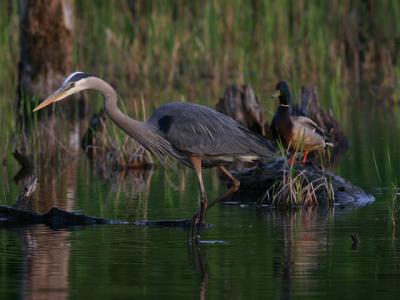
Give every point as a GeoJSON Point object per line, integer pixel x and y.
{"type": "Point", "coordinates": [276, 94]}
{"type": "Point", "coordinates": [56, 96]}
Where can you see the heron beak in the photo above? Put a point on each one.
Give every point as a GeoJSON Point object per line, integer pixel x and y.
{"type": "Point", "coordinates": [56, 96]}
{"type": "Point", "coordinates": [276, 94]}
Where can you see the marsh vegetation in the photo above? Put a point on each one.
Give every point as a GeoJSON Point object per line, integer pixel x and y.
{"type": "Point", "coordinates": [157, 51]}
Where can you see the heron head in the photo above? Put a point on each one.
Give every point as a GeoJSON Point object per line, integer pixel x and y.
{"type": "Point", "coordinates": [282, 92]}
{"type": "Point", "coordinates": [74, 83]}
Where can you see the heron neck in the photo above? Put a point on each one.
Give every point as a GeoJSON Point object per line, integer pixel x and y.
{"type": "Point", "coordinates": [131, 126]}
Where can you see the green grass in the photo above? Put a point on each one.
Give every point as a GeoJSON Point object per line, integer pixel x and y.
{"type": "Point", "coordinates": [192, 50]}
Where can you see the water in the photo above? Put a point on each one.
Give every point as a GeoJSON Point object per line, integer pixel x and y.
{"type": "Point", "coordinates": [249, 253]}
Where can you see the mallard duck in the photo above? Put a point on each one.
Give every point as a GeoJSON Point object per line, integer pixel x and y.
{"type": "Point", "coordinates": [298, 133]}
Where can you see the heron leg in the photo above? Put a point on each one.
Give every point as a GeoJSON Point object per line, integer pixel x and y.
{"type": "Point", "coordinates": [199, 216]}
{"type": "Point", "coordinates": [230, 191]}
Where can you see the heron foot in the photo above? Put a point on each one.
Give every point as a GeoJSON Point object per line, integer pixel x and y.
{"type": "Point", "coordinates": [196, 225]}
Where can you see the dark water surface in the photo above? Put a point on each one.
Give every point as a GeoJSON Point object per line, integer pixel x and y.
{"type": "Point", "coordinates": [250, 253]}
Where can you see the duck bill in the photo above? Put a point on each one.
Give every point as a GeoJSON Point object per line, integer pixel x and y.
{"type": "Point", "coordinates": [56, 96]}
{"type": "Point", "coordinates": [276, 94]}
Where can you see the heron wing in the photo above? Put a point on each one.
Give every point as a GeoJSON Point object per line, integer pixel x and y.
{"type": "Point", "coordinates": [199, 130]}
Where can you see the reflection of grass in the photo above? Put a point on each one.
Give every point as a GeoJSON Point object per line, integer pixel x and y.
{"type": "Point", "coordinates": [394, 208]}
{"type": "Point", "coordinates": [389, 176]}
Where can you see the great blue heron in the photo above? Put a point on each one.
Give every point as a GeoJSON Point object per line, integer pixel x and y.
{"type": "Point", "coordinates": [298, 133]}
{"type": "Point", "coordinates": [195, 135]}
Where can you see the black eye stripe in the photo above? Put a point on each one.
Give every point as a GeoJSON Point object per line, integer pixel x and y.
{"type": "Point", "coordinates": [73, 78]}
{"type": "Point", "coordinates": [78, 76]}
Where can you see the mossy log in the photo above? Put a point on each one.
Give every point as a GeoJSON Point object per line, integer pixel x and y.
{"type": "Point", "coordinates": [260, 183]}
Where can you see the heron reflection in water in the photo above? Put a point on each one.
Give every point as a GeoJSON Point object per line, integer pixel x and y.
{"type": "Point", "coordinates": [194, 135]}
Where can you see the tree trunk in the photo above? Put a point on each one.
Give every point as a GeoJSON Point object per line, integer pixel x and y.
{"type": "Point", "coordinates": [309, 106]}
{"type": "Point", "coordinates": [241, 104]}
{"type": "Point", "coordinates": [46, 44]}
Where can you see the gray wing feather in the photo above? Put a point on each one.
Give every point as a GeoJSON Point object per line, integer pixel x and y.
{"type": "Point", "coordinates": [199, 130]}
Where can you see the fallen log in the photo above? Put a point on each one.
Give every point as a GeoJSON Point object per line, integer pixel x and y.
{"type": "Point", "coordinates": [58, 218]}
{"type": "Point", "coordinates": [54, 218]}
{"type": "Point", "coordinates": [259, 185]}
{"type": "Point", "coordinates": [17, 215]}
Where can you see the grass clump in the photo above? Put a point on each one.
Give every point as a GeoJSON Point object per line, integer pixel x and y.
{"type": "Point", "coordinates": [300, 185]}
{"type": "Point", "coordinates": [296, 190]}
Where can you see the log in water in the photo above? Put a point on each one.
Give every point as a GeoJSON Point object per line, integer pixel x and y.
{"type": "Point", "coordinates": [256, 184]}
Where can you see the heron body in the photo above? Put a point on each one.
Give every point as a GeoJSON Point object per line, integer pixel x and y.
{"type": "Point", "coordinates": [194, 135]}
{"type": "Point", "coordinates": [298, 133]}
{"type": "Point", "coordinates": [196, 130]}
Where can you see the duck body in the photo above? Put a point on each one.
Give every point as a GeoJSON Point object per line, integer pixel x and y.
{"type": "Point", "coordinates": [306, 135]}
{"type": "Point", "coordinates": [297, 133]}
{"type": "Point", "coordinates": [282, 125]}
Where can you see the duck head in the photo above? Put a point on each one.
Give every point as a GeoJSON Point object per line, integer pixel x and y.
{"type": "Point", "coordinates": [283, 93]}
